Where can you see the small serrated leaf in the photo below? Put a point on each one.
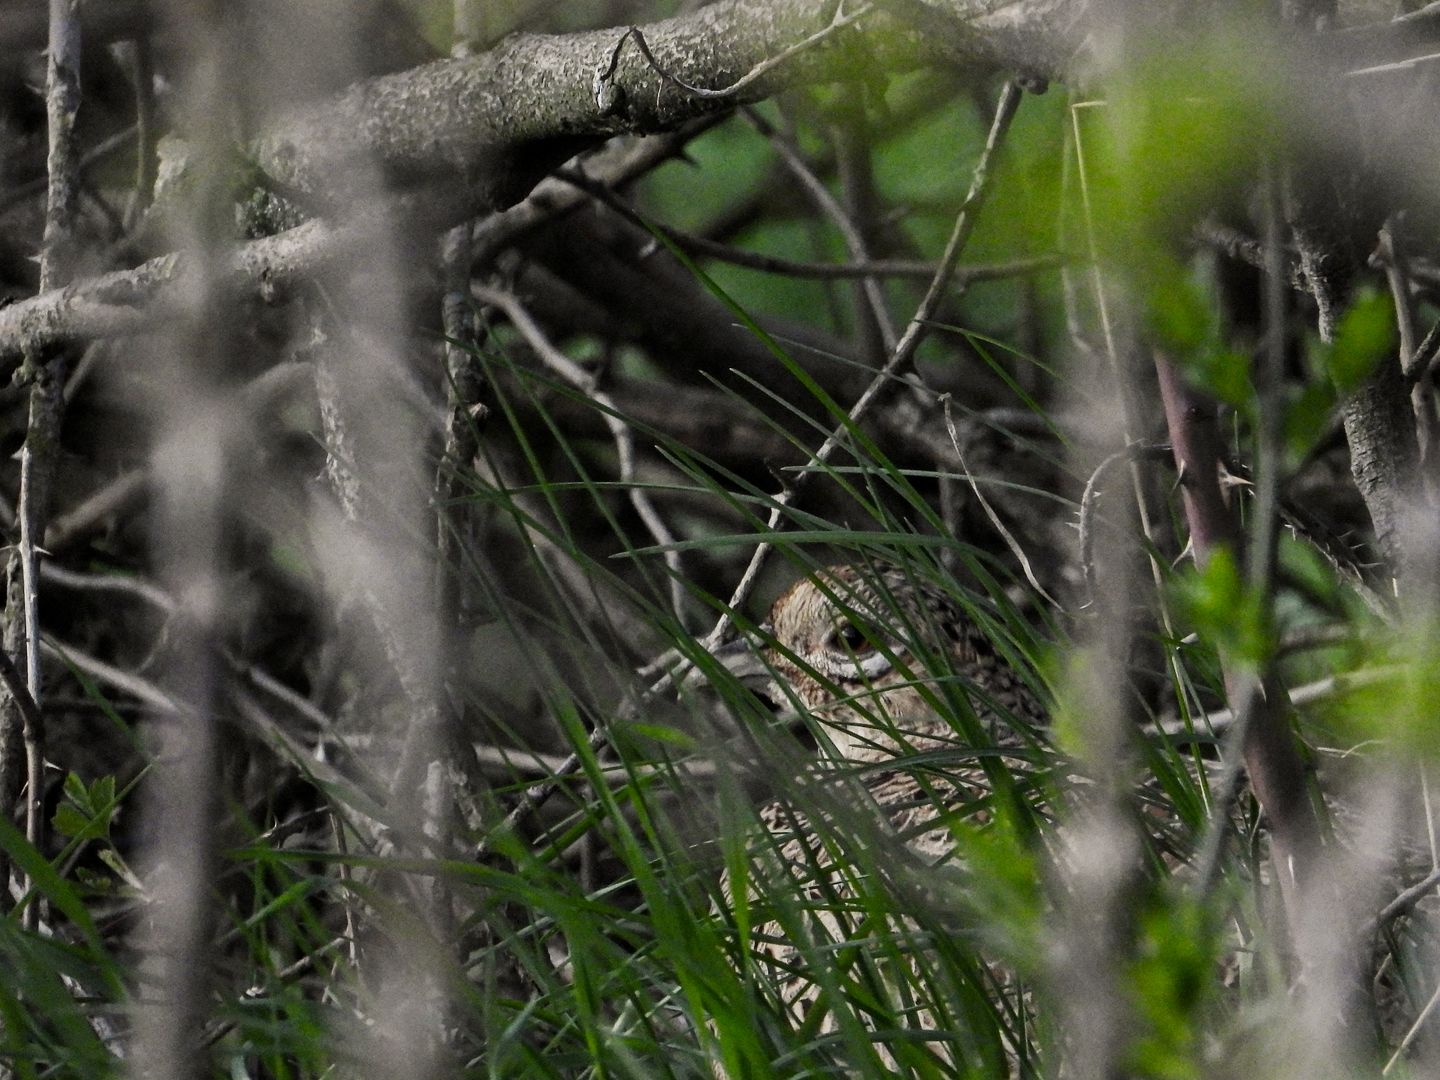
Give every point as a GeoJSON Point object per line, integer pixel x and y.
{"type": "Point", "coordinates": [76, 791]}
{"type": "Point", "coordinates": [102, 792]}
{"type": "Point", "coordinates": [69, 822]}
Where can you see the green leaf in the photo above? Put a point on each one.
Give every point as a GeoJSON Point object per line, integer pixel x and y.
{"type": "Point", "coordinates": [76, 791]}
{"type": "Point", "coordinates": [51, 884]}
{"type": "Point", "coordinates": [1171, 980]}
{"type": "Point", "coordinates": [1224, 373]}
{"type": "Point", "coordinates": [102, 792]}
{"type": "Point", "coordinates": [1224, 610]}
{"type": "Point", "coordinates": [1181, 316]}
{"type": "Point", "coordinates": [87, 812]}
{"type": "Point", "coordinates": [661, 733]}
{"type": "Point", "coordinates": [1307, 417]}
{"type": "Point", "coordinates": [68, 821]}
{"type": "Point", "coordinates": [1365, 335]}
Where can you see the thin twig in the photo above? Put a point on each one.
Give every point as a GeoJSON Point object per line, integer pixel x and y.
{"type": "Point", "coordinates": [285, 975]}
{"type": "Point", "coordinates": [603, 86]}
{"type": "Point", "coordinates": [1132, 423]}
{"type": "Point", "coordinates": [854, 238]}
{"type": "Point", "coordinates": [138, 687]}
{"type": "Point", "coordinates": [917, 269]}
{"type": "Point", "coordinates": [620, 432]}
{"type": "Point", "coordinates": [1413, 1031]}
{"type": "Point", "coordinates": [1005, 533]}
{"type": "Point", "coordinates": [1407, 900]}
{"type": "Point", "coordinates": [914, 269]}
{"type": "Point", "coordinates": [1391, 257]}
{"type": "Point", "coordinates": [101, 150]}
{"type": "Point", "coordinates": [1424, 355]}
{"type": "Point", "coordinates": [132, 585]}
{"type": "Point", "coordinates": [1090, 502]}
{"type": "Point", "coordinates": [615, 166]}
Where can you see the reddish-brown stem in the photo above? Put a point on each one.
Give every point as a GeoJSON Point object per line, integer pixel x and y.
{"type": "Point", "coordinates": [1276, 771]}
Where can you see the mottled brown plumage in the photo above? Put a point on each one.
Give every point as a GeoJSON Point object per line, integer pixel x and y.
{"type": "Point", "coordinates": [879, 660]}
{"type": "Point", "coordinates": [871, 650]}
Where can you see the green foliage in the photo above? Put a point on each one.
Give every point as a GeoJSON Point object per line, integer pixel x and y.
{"type": "Point", "coordinates": [1184, 319]}
{"type": "Point", "coordinates": [1172, 980]}
{"type": "Point", "coordinates": [1387, 685]}
{"type": "Point", "coordinates": [1182, 315]}
{"type": "Point", "coordinates": [1225, 610]}
{"type": "Point", "coordinates": [1364, 336]}
{"type": "Point", "coordinates": [87, 812]}
{"type": "Point", "coordinates": [1309, 416]}
{"type": "Point", "coordinates": [1177, 136]}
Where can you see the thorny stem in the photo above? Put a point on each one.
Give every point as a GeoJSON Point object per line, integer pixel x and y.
{"type": "Point", "coordinates": [37, 469]}
{"type": "Point", "coordinates": [42, 436]}
{"type": "Point", "coordinates": [1261, 734]}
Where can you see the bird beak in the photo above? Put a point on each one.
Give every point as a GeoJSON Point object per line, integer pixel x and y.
{"type": "Point", "coordinates": [748, 665]}
{"type": "Point", "coordinates": [741, 658]}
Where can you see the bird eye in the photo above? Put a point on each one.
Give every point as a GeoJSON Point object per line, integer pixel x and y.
{"type": "Point", "coordinates": [852, 637]}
